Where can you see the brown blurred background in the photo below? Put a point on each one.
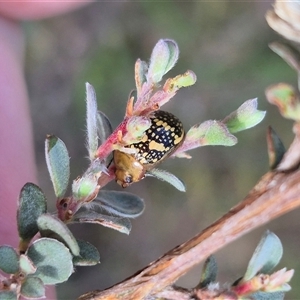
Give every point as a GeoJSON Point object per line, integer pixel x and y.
{"type": "Point", "coordinates": [226, 44]}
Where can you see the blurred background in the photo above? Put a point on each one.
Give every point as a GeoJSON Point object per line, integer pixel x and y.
{"type": "Point", "coordinates": [226, 44]}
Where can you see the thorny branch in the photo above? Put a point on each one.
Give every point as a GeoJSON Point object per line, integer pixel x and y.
{"type": "Point", "coordinates": [275, 194]}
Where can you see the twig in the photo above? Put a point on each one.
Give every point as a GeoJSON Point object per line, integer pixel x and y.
{"type": "Point", "coordinates": [275, 194]}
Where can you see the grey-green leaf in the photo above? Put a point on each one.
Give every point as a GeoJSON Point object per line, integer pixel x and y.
{"type": "Point", "coordinates": [265, 257]}
{"type": "Point", "coordinates": [52, 259]}
{"type": "Point", "coordinates": [32, 203]}
{"type": "Point", "coordinates": [58, 163]}
{"type": "Point", "coordinates": [26, 265]}
{"type": "Point", "coordinates": [88, 216]}
{"type": "Point", "coordinates": [276, 149]}
{"type": "Point", "coordinates": [8, 295]}
{"type": "Point", "coordinates": [140, 74]}
{"type": "Point", "coordinates": [267, 296]}
{"type": "Point", "coordinates": [122, 204]}
{"type": "Point", "coordinates": [209, 272]}
{"type": "Point", "coordinates": [33, 287]}
{"type": "Point", "coordinates": [9, 260]}
{"type": "Point", "coordinates": [168, 177]}
{"type": "Point", "coordinates": [163, 58]}
{"type": "Point", "coordinates": [91, 120]}
{"type": "Point", "coordinates": [50, 226]}
{"type": "Point", "coordinates": [103, 126]}
{"type": "Point", "coordinates": [89, 255]}
{"type": "Point", "coordinates": [173, 54]}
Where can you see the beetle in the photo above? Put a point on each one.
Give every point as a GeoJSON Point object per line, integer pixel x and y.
{"type": "Point", "coordinates": [159, 141]}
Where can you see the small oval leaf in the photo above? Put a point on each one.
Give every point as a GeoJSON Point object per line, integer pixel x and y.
{"type": "Point", "coordinates": [286, 98]}
{"type": "Point", "coordinates": [209, 272]}
{"type": "Point", "coordinates": [91, 120]}
{"type": "Point", "coordinates": [104, 127]}
{"type": "Point", "coordinates": [8, 295]}
{"type": "Point", "coordinates": [88, 216]}
{"type": "Point", "coordinates": [265, 257]}
{"type": "Point", "coordinates": [88, 256]}
{"type": "Point", "coordinates": [173, 54]}
{"type": "Point", "coordinates": [267, 296]}
{"type": "Point", "coordinates": [32, 203]}
{"type": "Point", "coordinates": [57, 158]}
{"type": "Point", "coordinates": [122, 204]}
{"type": "Point", "coordinates": [276, 148]}
{"type": "Point", "coordinates": [26, 265]}
{"type": "Point", "coordinates": [168, 177]}
{"type": "Point", "coordinates": [9, 260]}
{"type": "Point", "coordinates": [184, 80]}
{"type": "Point", "coordinates": [246, 116]}
{"type": "Point", "coordinates": [208, 133]}
{"type": "Point", "coordinates": [33, 287]}
{"type": "Point", "coordinates": [163, 58]}
{"type": "Point", "coordinates": [140, 74]}
{"type": "Point", "coordinates": [50, 226]}
{"type": "Point", "coordinates": [52, 259]}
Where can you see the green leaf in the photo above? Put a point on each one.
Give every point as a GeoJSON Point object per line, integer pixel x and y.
{"type": "Point", "coordinates": [209, 133]}
{"type": "Point", "coordinates": [57, 158]}
{"type": "Point", "coordinates": [50, 226]}
{"type": "Point", "coordinates": [286, 99]}
{"type": "Point", "coordinates": [219, 133]}
{"type": "Point", "coordinates": [9, 260]}
{"type": "Point", "coordinates": [89, 216]}
{"type": "Point", "coordinates": [140, 73]}
{"type": "Point", "coordinates": [265, 257]}
{"type": "Point", "coordinates": [33, 287]}
{"type": "Point", "coordinates": [184, 80]}
{"type": "Point", "coordinates": [52, 259]}
{"type": "Point", "coordinates": [85, 188]}
{"type": "Point", "coordinates": [173, 54]}
{"type": "Point", "coordinates": [121, 204]}
{"type": "Point", "coordinates": [32, 203]}
{"type": "Point", "coordinates": [168, 177]}
{"type": "Point", "coordinates": [26, 265]}
{"type": "Point", "coordinates": [163, 58]}
{"type": "Point", "coordinates": [276, 149]}
{"type": "Point", "coordinates": [246, 116]}
{"type": "Point", "coordinates": [209, 272]}
{"type": "Point", "coordinates": [91, 121]}
{"type": "Point", "coordinates": [88, 256]}
{"type": "Point", "coordinates": [8, 295]}
{"type": "Point", "coordinates": [187, 79]}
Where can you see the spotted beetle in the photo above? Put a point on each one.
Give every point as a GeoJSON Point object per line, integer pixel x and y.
{"type": "Point", "coordinates": [160, 140]}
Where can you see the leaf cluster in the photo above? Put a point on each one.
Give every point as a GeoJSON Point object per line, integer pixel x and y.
{"type": "Point", "coordinates": [48, 251]}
